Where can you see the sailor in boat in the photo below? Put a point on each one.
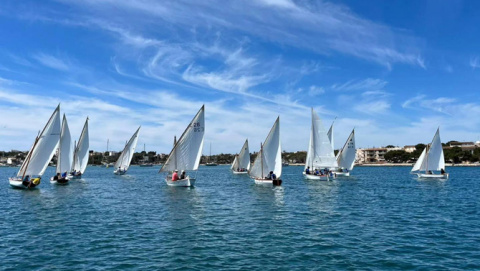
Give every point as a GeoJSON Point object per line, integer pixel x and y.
{"type": "Point", "coordinates": [430, 172]}
{"type": "Point", "coordinates": [56, 177]}
{"type": "Point", "coordinates": [307, 171]}
{"type": "Point", "coordinates": [175, 175]}
{"type": "Point", "coordinates": [442, 171]}
{"type": "Point", "coordinates": [26, 181]}
{"type": "Point", "coordinates": [183, 175]}
{"type": "Point", "coordinates": [271, 176]}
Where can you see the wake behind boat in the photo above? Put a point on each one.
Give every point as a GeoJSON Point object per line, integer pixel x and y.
{"type": "Point", "coordinates": [241, 162]}
{"type": "Point", "coordinates": [431, 159]}
{"type": "Point", "coordinates": [34, 165]}
{"type": "Point", "coordinates": [186, 153]}
{"type": "Point", "coordinates": [125, 158]}
{"type": "Point", "coordinates": [267, 166]}
{"type": "Point", "coordinates": [65, 155]}
{"type": "Point", "coordinates": [320, 155]}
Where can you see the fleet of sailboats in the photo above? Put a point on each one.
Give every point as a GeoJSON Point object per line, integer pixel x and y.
{"type": "Point", "coordinates": [241, 162]}
{"type": "Point", "coordinates": [42, 151]}
{"type": "Point", "coordinates": [64, 155]}
{"type": "Point", "coordinates": [431, 159]}
{"type": "Point", "coordinates": [186, 153]}
{"type": "Point", "coordinates": [125, 158]}
{"type": "Point", "coordinates": [267, 166]}
{"type": "Point", "coordinates": [320, 155]}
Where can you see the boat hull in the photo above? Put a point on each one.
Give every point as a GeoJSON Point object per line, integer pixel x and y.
{"type": "Point", "coordinates": [239, 172]}
{"type": "Point", "coordinates": [74, 176]}
{"type": "Point", "coordinates": [424, 176]}
{"type": "Point", "coordinates": [342, 174]}
{"type": "Point", "coordinates": [61, 181]}
{"type": "Point", "coordinates": [316, 177]}
{"type": "Point", "coordinates": [119, 172]}
{"type": "Point", "coordinates": [18, 183]}
{"type": "Point", "coordinates": [277, 182]}
{"type": "Point", "coordinates": [188, 182]}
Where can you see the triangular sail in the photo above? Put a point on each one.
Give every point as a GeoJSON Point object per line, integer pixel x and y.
{"type": "Point", "coordinates": [419, 163]}
{"type": "Point", "coordinates": [242, 160]}
{"type": "Point", "coordinates": [80, 157]}
{"type": "Point", "coordinates": [125, 158]}
{"type": "Point", "coordinates": [44, 147]}
{"type": "Point", "coordinates": [65, 153]}
{"type": "Point", "coordinates": [320, 150]}
{"type": "Point", "coordinates": [432, 157]}
{"type": "Point", "coordinates": [330, 136]}
{"type": "Point", "coordinates": [187, 151]}
{"type": "Point", "coordinates": [270, 156]}
{"type": "Point", "coordinates": [346, 156]}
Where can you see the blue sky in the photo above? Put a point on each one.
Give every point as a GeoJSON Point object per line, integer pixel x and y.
{"type": "Point", "coordinates": [395, 70]}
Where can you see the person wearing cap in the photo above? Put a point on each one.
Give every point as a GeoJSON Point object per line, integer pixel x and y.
{"type": "Point", "coordinates": [175, 175]}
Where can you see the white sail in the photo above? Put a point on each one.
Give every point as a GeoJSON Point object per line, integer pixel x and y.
{"type": "Point", "coordinates": [80, 156]}
{"type": "Point", "coordinates": [346, 156]}
{"type": "Point", "coordinates": [432, 157]}
{"type": "Point", "coordinates": [125, 158]}
{"type": "Point", "coordinates": [419, 163]}
{"type": "Point", "coordinates": [330, 136]}
{"type": "Point", "coordinates": [235, 163]}
{"type": "Point", "coordinates": [44, 147]}
{"type": "Point", "coordinates": [65, 152]}
{"type": "Point", "coordinates": [187, 151]}
{"type": "Point", "coordinates": [310, 152]}
{"type": "Point", "coordinates": [320, 153]}
{"type": "Point", "coordinates": [269, 158]}
{"type": "Point", "coordinates": [242, 160]}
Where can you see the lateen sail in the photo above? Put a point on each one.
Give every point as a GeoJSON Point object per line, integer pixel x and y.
{"type": "Point", "coordinates": [346, 156]}
{"type": "Point", "coordinates": [320, 153]}
{"type": "Point", "coordinates": [187, 151]}
{"type": "Point", "coordinates": [65, 153]}
{"type": "Point", "coordinates": [432, 157]}
{"type": "Point", "coordinates": [242, 160]}
{"type": "Point", "coordinates": [80, 156]}
{"type": "Point", "coordinates": [44, 148]}
{"type": "Point", "coordinates": [271, 155]}
{"type": "Point", "coordinates": [125, 158]}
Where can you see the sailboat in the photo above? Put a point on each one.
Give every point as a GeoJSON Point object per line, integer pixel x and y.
{"type": "Point", "coordinates": [346, 156]}
{"type": "Point", "coordinates": [320, 154]}
{"type": "Point", "coordinates": [186, 152]}
{"type": "Point", "coordinates": [80, 154]}
{"type": "Point", "coordinates": [430, 160]}
{"type": "Point", "coordinates": [34, 165]}
{"type": "Point", "coordinates": [123, 161]}
{"type": "Point", "coordinates": [65, 155]}
{"type": "Point", "coordinates": [210, 164]}
{"type": "Point", "coordinates": [269, 159]}
{"type": "Point", "coordinates": [241, 163]}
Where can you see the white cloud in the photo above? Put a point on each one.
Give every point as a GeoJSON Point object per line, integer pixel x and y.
{"type": "Point", "coordinates": [52, 61]}
{"type": "Point", "coordinates": [474, 62]}
{"type": "Point", "coordinates": [366, 84]}
{"type": "Point", "coordinates": [315, 91]}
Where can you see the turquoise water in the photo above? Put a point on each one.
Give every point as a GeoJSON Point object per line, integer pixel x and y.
{"type": "Point", "coordinates": [381, 218]}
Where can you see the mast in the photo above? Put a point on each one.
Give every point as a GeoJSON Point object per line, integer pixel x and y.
{"type": "Point", "coordinates": [175, 143]}
{"type": "Point", "coordinates": [261, 158]}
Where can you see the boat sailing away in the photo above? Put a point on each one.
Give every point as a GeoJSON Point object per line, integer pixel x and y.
{"type": "Point", "coordinates": [241, 163]}
{"type": "Point", "coordinates": [123, 162]}
{"type": "Point", "coordinates": [211, 164]}
{"type": "Point", "coordinates": [320, 154]}
{"type": "Point", "coordinates": [80, 154]}
{"type": "Point", "coordinates": [346, 156]}
{"type": "Point", "coordinates": [268, 161]}
{"type": "Point", "coordinates": [186, 153]}
{"type": "Point", "coordinates": [65, 155]}
{"type": "Point", "coordinates": [40, 154]}
{"type": "Point", "coordinates": [430, 160]}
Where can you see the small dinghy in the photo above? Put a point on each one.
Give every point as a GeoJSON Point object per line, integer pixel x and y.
{"type": "Point", "coordinates": [34, 165]}
{"type": "Point", "coordinates": [186, 153]}
{"type": "Point", "coordinates": [65, 155]}
{"type": "Point", "coordinates": [346, 157]}
{"type": "Point", "coordinates": [80, 154]}
{"type": "Point", "coordinates": [267, 167]}
{"type": "Point", "coordinates": [431, 159]}
{"type": "Point", "coordinates": [241, 162]}
{"type": "Point", "coordinates": [125, 158]}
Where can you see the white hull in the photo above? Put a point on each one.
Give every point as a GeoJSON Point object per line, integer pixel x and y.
{"type": "Point", "coordinates": [239, 172]}
{"type": "Point", "coordinates": [17, 183]}
{"type": "Point", "coordinates": [342, 174]}
{"type": "Point", "coordinates": [52, 181]}
{"type": "Point", "coordinates": [316, 177]}
{"type": "Point", "coordinates": [70, 177]}
{"type": "Point", "coordinates": [263, 181]}
{"type": "Point", "coordinates": [188, 182]}
{"type": "Point", "coordinates": [432, 176]}
{"type": "Point", "coordinates": [119, 172]}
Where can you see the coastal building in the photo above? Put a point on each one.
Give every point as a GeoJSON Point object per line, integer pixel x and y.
{"type": "Point", "coordinates": [409, 148]}
{"type": "Point", "coordinates": [373, 155]}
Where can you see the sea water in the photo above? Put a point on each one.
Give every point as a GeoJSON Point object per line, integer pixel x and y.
{"type": "Point", "coordinates": [379, 218]}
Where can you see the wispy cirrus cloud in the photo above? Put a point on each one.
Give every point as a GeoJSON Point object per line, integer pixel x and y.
{"type": "Point", "coordinates": [365, 84]}
{"type": "Point", "coordinates": [52, 61]}
{"type": "Point", "coordinates": [475, 62]}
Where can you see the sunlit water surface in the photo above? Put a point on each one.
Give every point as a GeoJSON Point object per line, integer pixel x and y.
{"type": "Point", "coordinates": [380, 218]}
